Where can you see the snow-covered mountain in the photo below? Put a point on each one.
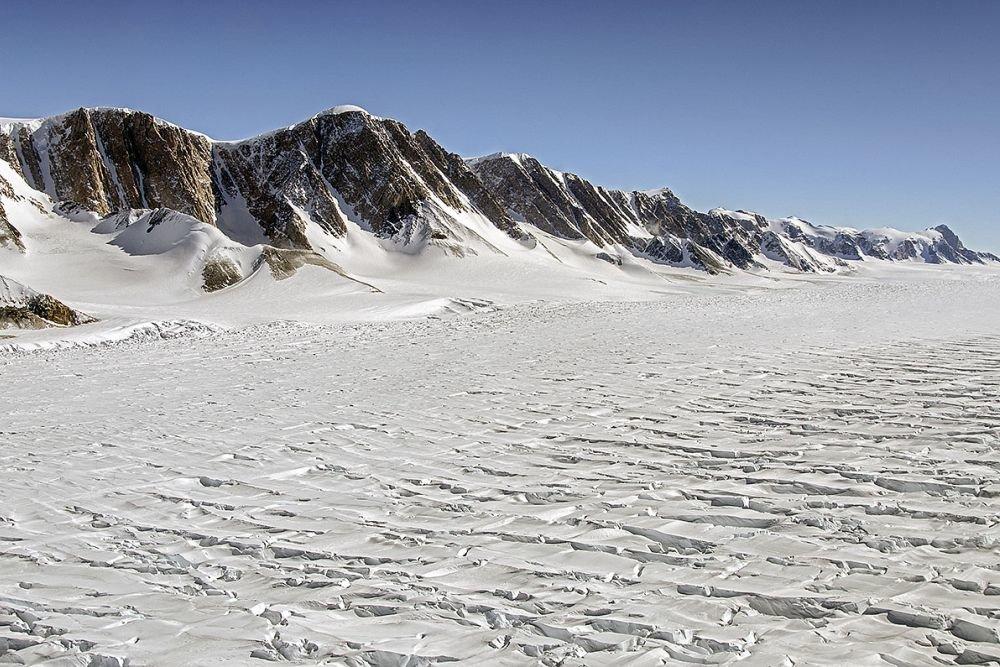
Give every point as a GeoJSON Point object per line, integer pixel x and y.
{"type": "Point", "coordinates": [340, 166]}
{"type": "Point", "coordinates": [348, 188]}
{"type": "Point", "coordinates": [655, 224]}
{"type": "Point", "coordinates": [936, 245]}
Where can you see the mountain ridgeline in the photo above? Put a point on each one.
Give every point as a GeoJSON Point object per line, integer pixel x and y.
{"type": "Point", "coordinates": [346, 169]}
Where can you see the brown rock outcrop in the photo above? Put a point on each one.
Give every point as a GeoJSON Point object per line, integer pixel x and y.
{"type": "Point", "coordinates": [23, 308]}
{"type": "Point", "coordinates": [571, 207]}
{"type": "Point", "coordinates": [10, 237]}
{"type": "Point", "coordinates": [106, 160]}
{"type": "Point", "coordinates": [391, 181]}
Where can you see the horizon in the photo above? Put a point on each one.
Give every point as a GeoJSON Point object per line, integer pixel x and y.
{"type": "Point", "coordinates": [894, 108]}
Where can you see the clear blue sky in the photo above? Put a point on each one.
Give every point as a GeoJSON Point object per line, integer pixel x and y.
{"type": "Point", "coordinates": [861, 113]}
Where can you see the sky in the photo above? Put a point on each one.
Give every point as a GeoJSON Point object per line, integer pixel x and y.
{"type": "Point", "coordinates": [865, 114]}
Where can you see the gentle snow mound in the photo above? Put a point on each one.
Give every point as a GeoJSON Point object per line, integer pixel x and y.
{"type": "Point", "coordinates": [207, 258]}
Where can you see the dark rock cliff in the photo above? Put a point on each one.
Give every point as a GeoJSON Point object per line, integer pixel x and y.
{"type": "Point", "coordinates": [346, 166]}
{"type": "Point", "coordinates": [570, 207]}
{"type": "Point", "coordinates": [333, 165]}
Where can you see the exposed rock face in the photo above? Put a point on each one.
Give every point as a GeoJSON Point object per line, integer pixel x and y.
{"type": "Point", "coordinates": [350, 163]}
{"type": "Point", "coordinates": [8, 153]}
{"type": "Point", "coordinates": [23, 308]}
{"type": "Point", "coordinates": [777, 247]}
{"type": "Point", "coordinates": [280, 185]}
{"type": "Point", "coordinates": [665, 251]}
{"type": "Point", "coordinates": [459, 173]}
{"type": "Point", "coordinates": [335, 164]}
{"type": "Point", "coordinates": [220, 272]}
{"type": "Point", "coordinates": [9, 236]}
{"type": "Point", "coordinates": [546, 199]}
{"type": "Point", "coordinates": [951, 249]}
{"type": "Point", "coordinates": [658, 226]}
{"type": "Point", "coordinates": [654, 224]}
{"type": "Point", "coordinates": [345, 167]}
{"type": "Point", "coordinates": [610, 259]}
{"type": "Point", "coordinates": [106, 160]}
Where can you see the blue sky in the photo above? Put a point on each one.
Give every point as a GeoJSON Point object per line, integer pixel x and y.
{"type": "Point", "coordinates": [855, 113]}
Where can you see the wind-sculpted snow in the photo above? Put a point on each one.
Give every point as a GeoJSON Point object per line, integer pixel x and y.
{"type": "Point", "coordinates": [115, 336]}
{"type": "Point", "coordinates": [800, 476]}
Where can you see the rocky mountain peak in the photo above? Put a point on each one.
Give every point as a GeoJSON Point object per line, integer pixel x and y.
{"type": "Point", "coordinates": [950, 237]}
{"type": "Point", "coordinates": [302, 185]}
{"type": "Point", "coordinates": [109, 159]}
{"type": "Point", "coordinates": [654, 224]}
{"type": "Point", "coordinates": [343, 164]}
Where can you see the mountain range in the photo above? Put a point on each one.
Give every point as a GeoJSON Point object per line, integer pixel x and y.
{"type": "Point", "coordinates": [306, 195]}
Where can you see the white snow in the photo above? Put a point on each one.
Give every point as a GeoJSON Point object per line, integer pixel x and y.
{"type": "Point", "coordinates": [343, 108]}
{"type": "Point", "coordinates": [7, 123]}
{"type": "Point", "coordinates": [522, 455]}
{"type": "Point", "coordinates": [332, 111]}
{"type": "Point", "coordinates": [518, 158]}
{"type": "Point", "coordinates": [13, 293]}
{"type": "Point", "coordinates": [110, 334]}
{"type": "Point", "coordinates": [712, 478]}
{"type": "Point", "coordinates": [735, 215]}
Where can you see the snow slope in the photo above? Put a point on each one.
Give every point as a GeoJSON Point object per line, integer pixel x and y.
{"type": "Point", "coordinates": [14, 294]}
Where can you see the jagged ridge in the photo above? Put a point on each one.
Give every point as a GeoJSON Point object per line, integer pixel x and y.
{"type": "Point", "coordinates": [655, 224]}
{"type": "Point", "coordinates": [338, 164]}
{"type": "Point", "coordinates": [346, 166]}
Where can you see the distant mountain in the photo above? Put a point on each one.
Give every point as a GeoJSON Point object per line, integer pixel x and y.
{"type": "Point", "coordinates": [653, 224]}
{"type": "Point", "coordinates": [657, 225]}
{"type": "Point", "coordinates": [312, 187]}
{"type": "Point", "coordinates": [936, 245]}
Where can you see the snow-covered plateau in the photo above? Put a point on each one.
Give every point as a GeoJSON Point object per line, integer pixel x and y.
{"type": "Point", "coordinates": [333, 395]}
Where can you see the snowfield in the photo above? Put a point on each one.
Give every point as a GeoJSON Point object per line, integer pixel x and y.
{"type": "Point", "coordinates": [483, 413]}
{"type": "Point", "coordinates": [803, 475]}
